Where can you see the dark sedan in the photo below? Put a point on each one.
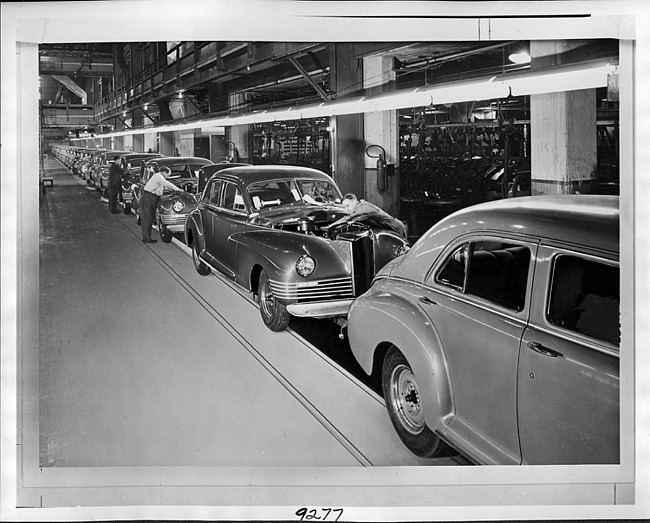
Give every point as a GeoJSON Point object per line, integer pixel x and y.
{"type": "Point", "coordinates": [265, 227]}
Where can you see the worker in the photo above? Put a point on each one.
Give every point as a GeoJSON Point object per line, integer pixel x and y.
{"type": "Point", "coordinates": [361, 210]}
{"type": "Point", "coordinates": [151, 194]}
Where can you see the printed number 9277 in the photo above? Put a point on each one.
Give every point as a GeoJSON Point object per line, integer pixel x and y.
{"type": "Point", "coordinates": [319, 515]}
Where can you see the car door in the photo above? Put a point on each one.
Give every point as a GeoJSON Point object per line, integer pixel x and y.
{"type": "Point", "coordinates": [477, 301]}
{"type": "Point", "coordinates": [569, 366]}
{"type": "Point", "coordinates": [209, 205]}
{"type": "Point", "coordinates": [228, 222]}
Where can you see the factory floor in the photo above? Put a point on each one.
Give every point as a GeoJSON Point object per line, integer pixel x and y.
{"type": "Point", "coordinates": [143, 362]}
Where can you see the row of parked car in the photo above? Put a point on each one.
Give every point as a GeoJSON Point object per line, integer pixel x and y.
{"type": "Point", "coordinates": [497, 332]}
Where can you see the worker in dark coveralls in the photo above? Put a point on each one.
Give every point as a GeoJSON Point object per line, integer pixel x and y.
{"type": "Point", "coordinates": [151, 193]}
{"type": "Point", "coordinates": [115, 174]}
{"type": "Point", "coordinates": [363, 211]}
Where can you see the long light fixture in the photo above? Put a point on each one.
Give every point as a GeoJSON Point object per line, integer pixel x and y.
{"type": "Point", "coordinates": [587, 75]}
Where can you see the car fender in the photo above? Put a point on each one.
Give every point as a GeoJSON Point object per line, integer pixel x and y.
{"type": "Point", "coordinates": [169, 199]}
{"type": "Point", "coordinates": [194, 231]}
{"type": "Point", "coordinates": [278, 251]}
{"type": "Point", "coordinates": [380, 318]}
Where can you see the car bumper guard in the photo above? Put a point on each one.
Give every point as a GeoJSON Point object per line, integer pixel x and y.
{"type": "Point", "coordinates": [322, 309]}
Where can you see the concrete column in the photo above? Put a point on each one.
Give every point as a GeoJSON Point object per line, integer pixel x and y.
{"type": "Point", "coordinates": [218, 148]}
{"type": "Point", "coordinates": [167, 143]}
{"type": "Point", "coordinates": [150, 143]}
{"type": "Point", "coordinates": [240, 135]}
{"type": "Point", "coordinates": [381, 129]}
{"type": "Point", "coordinates": [185, 142]}
{"type": "Point", "coordinates": [138, 143]}
{"type": "Point", "coordinates": [348, 148]}
{"type": "Point", "coordinates": [563, 131]}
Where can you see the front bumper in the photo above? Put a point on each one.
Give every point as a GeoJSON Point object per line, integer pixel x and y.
{"type": "Point", "coordinates": [173, 222]}
{"type": "Point", "coordinates": [321, 309]}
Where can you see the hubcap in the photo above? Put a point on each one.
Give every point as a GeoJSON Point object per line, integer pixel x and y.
{"type": "Point", "coordinates": [405, 398]}
{"type": "Point", "coordinates": [267, 300]}
{"type": "Point", "coordinates": [195, 256]}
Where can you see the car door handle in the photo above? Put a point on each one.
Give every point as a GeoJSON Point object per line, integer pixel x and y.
{"type": "Point", "coordinates": [427, 301]}
{"type": "Point", "coordinates": [538, 347]}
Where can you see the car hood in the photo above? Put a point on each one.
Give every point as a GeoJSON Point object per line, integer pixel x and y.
{"type": "Point", "coordinates": [287, 214]}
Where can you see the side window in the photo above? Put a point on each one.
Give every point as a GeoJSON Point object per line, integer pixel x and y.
{"type": "Point", "coordinates": [213, 193]}
{"type": "Point", "coordinates": [585, 298]}
{"type": "Point", "coordinates": [493, 271]}
{"type": "Point", "coordinates": [232, 198]}
{"type": "Point", "coordinates": [453, 272]}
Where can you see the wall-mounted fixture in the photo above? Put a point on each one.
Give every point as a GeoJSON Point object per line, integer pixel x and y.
{"type": "Point", "coordinates": [233, 153]}
{"type": "Point", "coordinates": [384, 170]}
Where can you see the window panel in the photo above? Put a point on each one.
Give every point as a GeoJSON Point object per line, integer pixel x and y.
{"type": "Point", "coordinates": [585, 298]}
{"type": "Point", "coordinates": [494, 271]}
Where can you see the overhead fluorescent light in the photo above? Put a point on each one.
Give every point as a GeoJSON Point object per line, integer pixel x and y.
{"type": "Point", "coordinates": [541, 81]}
{"type": "Point", "coordinates": [521, 57]}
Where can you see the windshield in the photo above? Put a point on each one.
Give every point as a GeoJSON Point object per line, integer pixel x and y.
{"type": "Point", "coordinates": [272, 193]}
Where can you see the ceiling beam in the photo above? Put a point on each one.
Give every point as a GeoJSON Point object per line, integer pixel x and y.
{"type": "Point", "coordinates": [70, 84]}
{"type": "Point", "coordinates": [311, 81]}
{"type": "Point", "coordinates": [75, 66]}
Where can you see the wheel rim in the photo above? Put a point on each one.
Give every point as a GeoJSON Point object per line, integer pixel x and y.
{"type": "Point", "coordinates": [267, 300]}
{"type": "Point", "coordinates": [195, 256]}
{"type": "Point", "coordinates": [405, 399]}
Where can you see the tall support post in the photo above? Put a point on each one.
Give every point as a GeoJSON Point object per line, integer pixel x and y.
{"type": "Point", "coordinates": [347, 140]}
{"type": "Point", "coordinates": [150, 143]}
{"type": "Point", "coordinates": [167, 143]}
{"type": "Point", "coordinates": [138, 143]}
{"type": "Point", "coordinates": [240, 135]}
{"type": "Point", "coordinates": [381, 129]}
{"type": "Point", "coordinates": [563, 131]}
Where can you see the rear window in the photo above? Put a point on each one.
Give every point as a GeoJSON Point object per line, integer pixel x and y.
{"type": "Point", "coordinates": [585, 298]}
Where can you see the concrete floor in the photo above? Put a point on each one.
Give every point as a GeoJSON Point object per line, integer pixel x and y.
{"type": "Point", "coordinates": [142, 362]}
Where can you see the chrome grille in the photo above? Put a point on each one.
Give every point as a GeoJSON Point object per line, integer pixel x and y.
{"type": "Point", "coordinates": [173, 219]}
{"type": "Point", "coordinates": [313, 290]}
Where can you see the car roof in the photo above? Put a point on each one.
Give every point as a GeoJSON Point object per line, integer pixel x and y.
{"type": "Point", "coordinates": [114, 153]}
{"type": "Point", "coordinates": [588, 220]}
{"type": "Point", "coordinates": [170, 160]}
{"type": "Point", "coordinates": [213, 168]}
{"type": "Point", "coordinates": [259, 173]}
{"type": "Point", "coordinates": [141, 156]}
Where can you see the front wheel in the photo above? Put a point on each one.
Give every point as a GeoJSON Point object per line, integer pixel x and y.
{"type": "Point", "coordinates": [200, 266]}
{"type": "Point", "coordinates": [404, 404]}
{"type": "Point", "coordinates": [275, 314]}
{"type": "Point", "coordinates": [165, 234]}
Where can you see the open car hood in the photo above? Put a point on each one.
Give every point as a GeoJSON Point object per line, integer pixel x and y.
{"type": "Point", "coordinates": [287, 214]}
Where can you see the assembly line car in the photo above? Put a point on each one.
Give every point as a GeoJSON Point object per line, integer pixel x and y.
{"type": "Point", "coordinates": [266, 228]}
{"type": "Point", "coordinates": [131, 164]}
{"type": "Point", "coordinates": [173, 206]}
{"type": "Point", "coordinates": [498, 332]}
{"type": "Point", "coordinates": [99, 170]}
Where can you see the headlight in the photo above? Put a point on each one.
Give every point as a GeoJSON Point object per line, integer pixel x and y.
{"type": "Point", "coordinates": [403, 249]}
{"type": "Point", "coordinates": [305, 265]}
{"type": "Point", "coordinates": [178, 206]}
